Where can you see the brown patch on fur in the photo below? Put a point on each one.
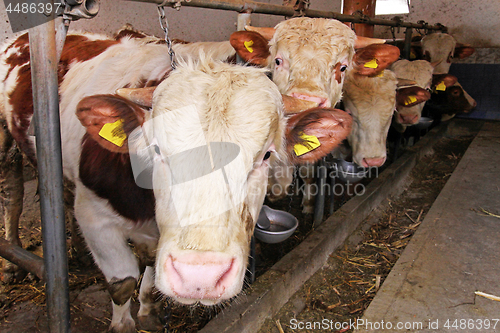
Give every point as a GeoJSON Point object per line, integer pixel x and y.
{"type": "Point", "coordinates": [259, 47]}
{"type": "Point", "coordinates": [448, 79]}
{"type": "Point", "coordinates": [330, 126]}
{"type": "Point", "coordinates": [76, 48]}
{"type": "Point", "coordinates": [403, 94]}
{"type": "Point", "coordinates": [338, 73]}
{"type": "Point", "coordinates": [109, 175]}
{"type": "Point", "coordinates": [384, 54]}
{"type": "Point", "coordinates": [96, 111]}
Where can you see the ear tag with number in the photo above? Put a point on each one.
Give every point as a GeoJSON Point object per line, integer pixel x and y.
{"type": "Point", "coordinates": [441, 86]}
{"type": "Point", "coordinates": [248, 45]}
{"type": "Point", "coordinates": [410, 100]}
{"type": "Point", "coordinates": [312, 143]}
{"type": "Point", "coordinates": [113, 132]}
{"type": "Point", "coordinates": [371, 64]}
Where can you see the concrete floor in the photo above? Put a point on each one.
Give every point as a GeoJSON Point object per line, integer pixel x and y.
{"type": "Point", "coordinates": [455, 252]}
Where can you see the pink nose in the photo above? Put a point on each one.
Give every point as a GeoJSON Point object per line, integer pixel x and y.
{"type": "Point", "coordinates": [322, 102]}
{"type": "Point", "coordinates": [409, 119]}
{"type": "Point", "coordinates": [203, 275]}
{"type": "Point", "coordinates": [373, 162]}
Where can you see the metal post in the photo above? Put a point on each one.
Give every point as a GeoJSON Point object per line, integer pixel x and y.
{"type": "Point", "coordinates": [48, 144]}
{"type": "Point", "coordinates": [319, 206]}
{"type": "Point", "coordinates": [266, 8]}
{"type": "Point", "coordinates": [22, 258]}
{"type": "Point", "coordinates": [332, 195]}
{"type": "Point", "coordinates": [407, 49]}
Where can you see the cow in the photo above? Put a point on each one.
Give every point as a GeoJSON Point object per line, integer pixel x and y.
{"type": "Point", "coordinates": [440, 49]}
{"type": "Point", "coordinates": [410, 99]}
{"type": "Point", "coordinates": [205, 134]}
{"type": "Point", "coordinates": [371, 101]}
{"type": "Point", "coordinates": [308, 59]}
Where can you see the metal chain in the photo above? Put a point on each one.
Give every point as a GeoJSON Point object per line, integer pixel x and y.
{"type": "Point", "coordinates": [164, 27]}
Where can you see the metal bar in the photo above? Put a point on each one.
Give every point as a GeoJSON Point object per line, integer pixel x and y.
{"type": "Point", "coordinates": [263, 8]}
{"type": "Point", "coordinates": [332, 195]}
{"type": "Point", "coordinates": [407, 48]}
{"type": "Point", "coordinates": [48, 146]}
{"type": "Point", "coordinates": [319, 205]}
{"type": "Point", "coordinates": [22, 258]}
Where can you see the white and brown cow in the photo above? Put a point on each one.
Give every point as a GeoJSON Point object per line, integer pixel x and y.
{"type": "Point", "coordinates": [410, 100]}
{"type": "Point", "coordinates": [308, 59]}
{"type": "Point", "coordinates": [198, 219]}
{"type": "Point", "coordinates": [440, 49]}
{"type": "Point", "coordinates": [371, 101]}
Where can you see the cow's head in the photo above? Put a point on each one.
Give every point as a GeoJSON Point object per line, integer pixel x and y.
{"type": "Point", "coordinates": [371, 102]}
{"type": "Point", "coordinates": [441, 48]}
{"type": "Point", "coordinates": [206, 141]}
{"type": "Point", "coordinates": [410, 100]}
{"type": "Point", "coordinates": [308, 57]}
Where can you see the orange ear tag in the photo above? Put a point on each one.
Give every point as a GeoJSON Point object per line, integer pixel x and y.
{"type": "Point", "coordinates": [312, 143]}
{"type": "Point", "coordinates": [371, 64]}
{"type": "Point", "coordinates": [410, 100]}
{"type": "Point", "coordinates": [248, 46]}
{"type": "Point", "coordinates": [441, 86]}
{"type": "Point", "coordinates": [113, 132]}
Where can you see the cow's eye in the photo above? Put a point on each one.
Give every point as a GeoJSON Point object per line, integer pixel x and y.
{"type": "Point", "coordinates": [267, 155]}
{"type": "Point", "coordinates": [157, 149]}
{"type": "Point", "coordinates": [278, 61]}
{"type": "Point", "coordinates": [343, 68]}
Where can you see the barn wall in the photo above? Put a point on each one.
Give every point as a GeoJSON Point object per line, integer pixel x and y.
{"type": "Point", "coordinates": [473, 22]}
{"type": "Point", "coordinates": [190, 24]}
{"type": "Point", "coordinates": [470, 22]}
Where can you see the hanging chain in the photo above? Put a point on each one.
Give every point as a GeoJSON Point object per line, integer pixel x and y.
{"type": "Point", "coordinates": [393, 32]}
{"type": "Point", "coordinates": [164, 27]}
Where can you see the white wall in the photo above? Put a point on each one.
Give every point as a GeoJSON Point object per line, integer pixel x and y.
{"type": "Point", "coordinates": [474, 22]}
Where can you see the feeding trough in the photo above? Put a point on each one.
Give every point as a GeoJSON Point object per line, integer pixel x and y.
{"type": "Point", "coordinates": [424, 123]}
{"type": "Point", "coordinates": [274, 226]}
{"type": "Point", "coordinates": [348, 171]}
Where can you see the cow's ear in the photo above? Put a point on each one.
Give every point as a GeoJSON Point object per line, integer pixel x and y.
{"type": "Point", "coordinates": [251, 47]}
{"type": "Point", "coordinates": [463, 51]}
{"type": "Point", "coordinates": [109, 119]}
{"type": "Point", "coordinates": [373, 59]}
{"type": "Point", "coordinates": [411, 96]}
{"type": "Point", "coordinates": [442, 81]}
{"type": "Point", "coordinates": [312, 134]}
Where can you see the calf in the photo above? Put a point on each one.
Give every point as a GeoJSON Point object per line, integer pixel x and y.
{"type": "Point", "coordinates": [410, 100]}
{"type": "Point", "coordinates": [199, 146]}
{"type": "Point", "coordinates": [308, 59]}
{"type": "Point", "coordinates": [371, 102]}
{"type": "Point", "coordinates": [440, 49]}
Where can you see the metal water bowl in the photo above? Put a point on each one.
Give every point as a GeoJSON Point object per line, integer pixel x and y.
{"type": "Point", "coordinates": [424, 123]}
{"type": "Point", "coordinates": [349, 171]}
{"type": "Point", "coordinates": [274, 226]}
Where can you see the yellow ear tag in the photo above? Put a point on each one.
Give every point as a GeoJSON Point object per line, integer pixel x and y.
{"type": "Point", "coordinates": [113, 132]}
{"type": "Point", "coordinates": [441, 86]}
{"type": "Point", "coordinates": [248, 46]}
{"type": "Point", "coordinates": [371, 64]}
{"type": "Point", "coordinates": [312, 143]}
{"type": "Point", "coordinates": [410, 100]}
{"type": "Point", "coordinates": [381, 74]}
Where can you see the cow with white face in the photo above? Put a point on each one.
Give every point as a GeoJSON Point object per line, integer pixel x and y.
{"type": "Point", "coordinates": [308, 59]}
{"type": "Point", "coordinates": [440, 49]}
{"type": "Point", "coordinates": [411, 99]}
{"type": "Point", "coordinates": [199, 146]}
{"type": "Point", "coordinates": [371, 101]}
